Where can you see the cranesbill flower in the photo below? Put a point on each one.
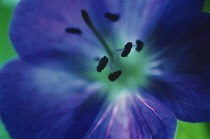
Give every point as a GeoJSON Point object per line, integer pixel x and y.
{"type": "Point", "coordinates": [114, 69]}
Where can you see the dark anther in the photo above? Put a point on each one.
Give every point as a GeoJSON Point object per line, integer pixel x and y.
{"type": "Point", "coordinates": [139, 46]}
{"type": "Point", "coordinates": [73, 30]}
{"type": "Point", "coordinates": [102, 63]}
{"type": "Point", "coordinates": [86, 17]}
{"type": "Point", "coordinates": [127, 49]}
{"type": "Point", "coordinates": [112, 17]}
{"type": "Point", "coordinates": [115, 75]}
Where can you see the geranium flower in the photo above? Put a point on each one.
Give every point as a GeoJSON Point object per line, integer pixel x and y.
{"type": "Point", "coordinates": [106, 69]}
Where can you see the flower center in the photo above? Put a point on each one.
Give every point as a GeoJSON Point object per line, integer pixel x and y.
{"type": "Point", "coordinates": [117, 72]}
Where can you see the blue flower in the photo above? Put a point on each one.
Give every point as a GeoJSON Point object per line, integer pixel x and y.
{"type": "Point", "coordinates": [114, 69]}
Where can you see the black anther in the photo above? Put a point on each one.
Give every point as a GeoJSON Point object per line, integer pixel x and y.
{"type": "Point", "coordinates": [112, 17]}
{"type": "Point", "coordinates": [127, 49]}
{"type": "Point", "coordinates": [102, 63]}
{"type": "Point", "coordinates": [115, 75]}
{"type": "Point", "coordinates": [73, 30]}
{"type": "Point", "coordinates": [139, 46]}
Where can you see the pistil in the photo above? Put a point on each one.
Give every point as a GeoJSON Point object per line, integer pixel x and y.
{"type": "Point", "coordinates": [88, 21]}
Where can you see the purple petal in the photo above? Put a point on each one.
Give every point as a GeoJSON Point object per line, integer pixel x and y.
{"type": "Point", "coordinates": [187, 37]}
{"type": "Point", "coordinates": [185, 96]}
{"type": "Point", "coordinates": [134, 116]}
{"type": "Point", "coordinates": [172, 22]}
{"type": "Point", "coordinates": [54, 104]}
{"type": "Point", "coordinates": [183, 69]}
{"type": "Point", "coordinates": [139, 19]}
{"type": "Point", "coordinates": [38, 34]}
{"type": "Point", "coordinates": [38, 27]}
{"type": "Point", "coordinates": [41, 103]}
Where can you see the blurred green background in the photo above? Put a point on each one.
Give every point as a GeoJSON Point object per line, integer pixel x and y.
{"type": "Point", "coordinates": [184, 130]}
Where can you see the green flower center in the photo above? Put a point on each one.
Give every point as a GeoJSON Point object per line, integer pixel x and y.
{"type": "Point", "coordinates": [133, 75]}
{"type": "Point", "coordinates": [119, 72]}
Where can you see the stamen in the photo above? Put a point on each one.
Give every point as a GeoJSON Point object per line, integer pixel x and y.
{"type": "Point", "coordinates": [112, 17]}
{"type": "Point", "coordinates": [115, 75]}
{"type": "Point", "coordinates": [119, 50]}
{"type": "Point", "coordinates": [127, 49]}
{"type": "Point", "coordinates": [88, 21]}
{"type": "Point", "coordinates": [139, 46]}
{"type": "Point", "coordinates": [102, 63]}
{"type": "Point", "coordinates": [111, 67]}
{"type": "Point", "coordinates": [73, 30]}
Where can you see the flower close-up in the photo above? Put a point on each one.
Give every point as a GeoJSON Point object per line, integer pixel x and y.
{"type": "Point", "coordinates": [106, 69]}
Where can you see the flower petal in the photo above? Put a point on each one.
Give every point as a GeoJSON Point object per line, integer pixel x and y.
{"type": "Point", "coordinates": [134, 116]}
{"type": "Point", "coordinates": [185, 96]}
{"type": "Point", "coordinates": [183, 69]}
{"type": "Point", "coordinates": [51, 104]}
{"type": "Point", "coordinates": [38, 27]}
{"type": "Point", "coordinates": [181, 39]}
{"type": "Point", "coordinates": [138, 18]}
{"type": "Point", "coordinates": [38, 33]}
{"type": "Point", "coordinates": [39, 103]}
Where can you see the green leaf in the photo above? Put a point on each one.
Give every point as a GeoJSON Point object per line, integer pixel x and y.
{"type": "Point", "coordinates": [3, 132]}
{"type": "Point", "coordinates": [192, 131]}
